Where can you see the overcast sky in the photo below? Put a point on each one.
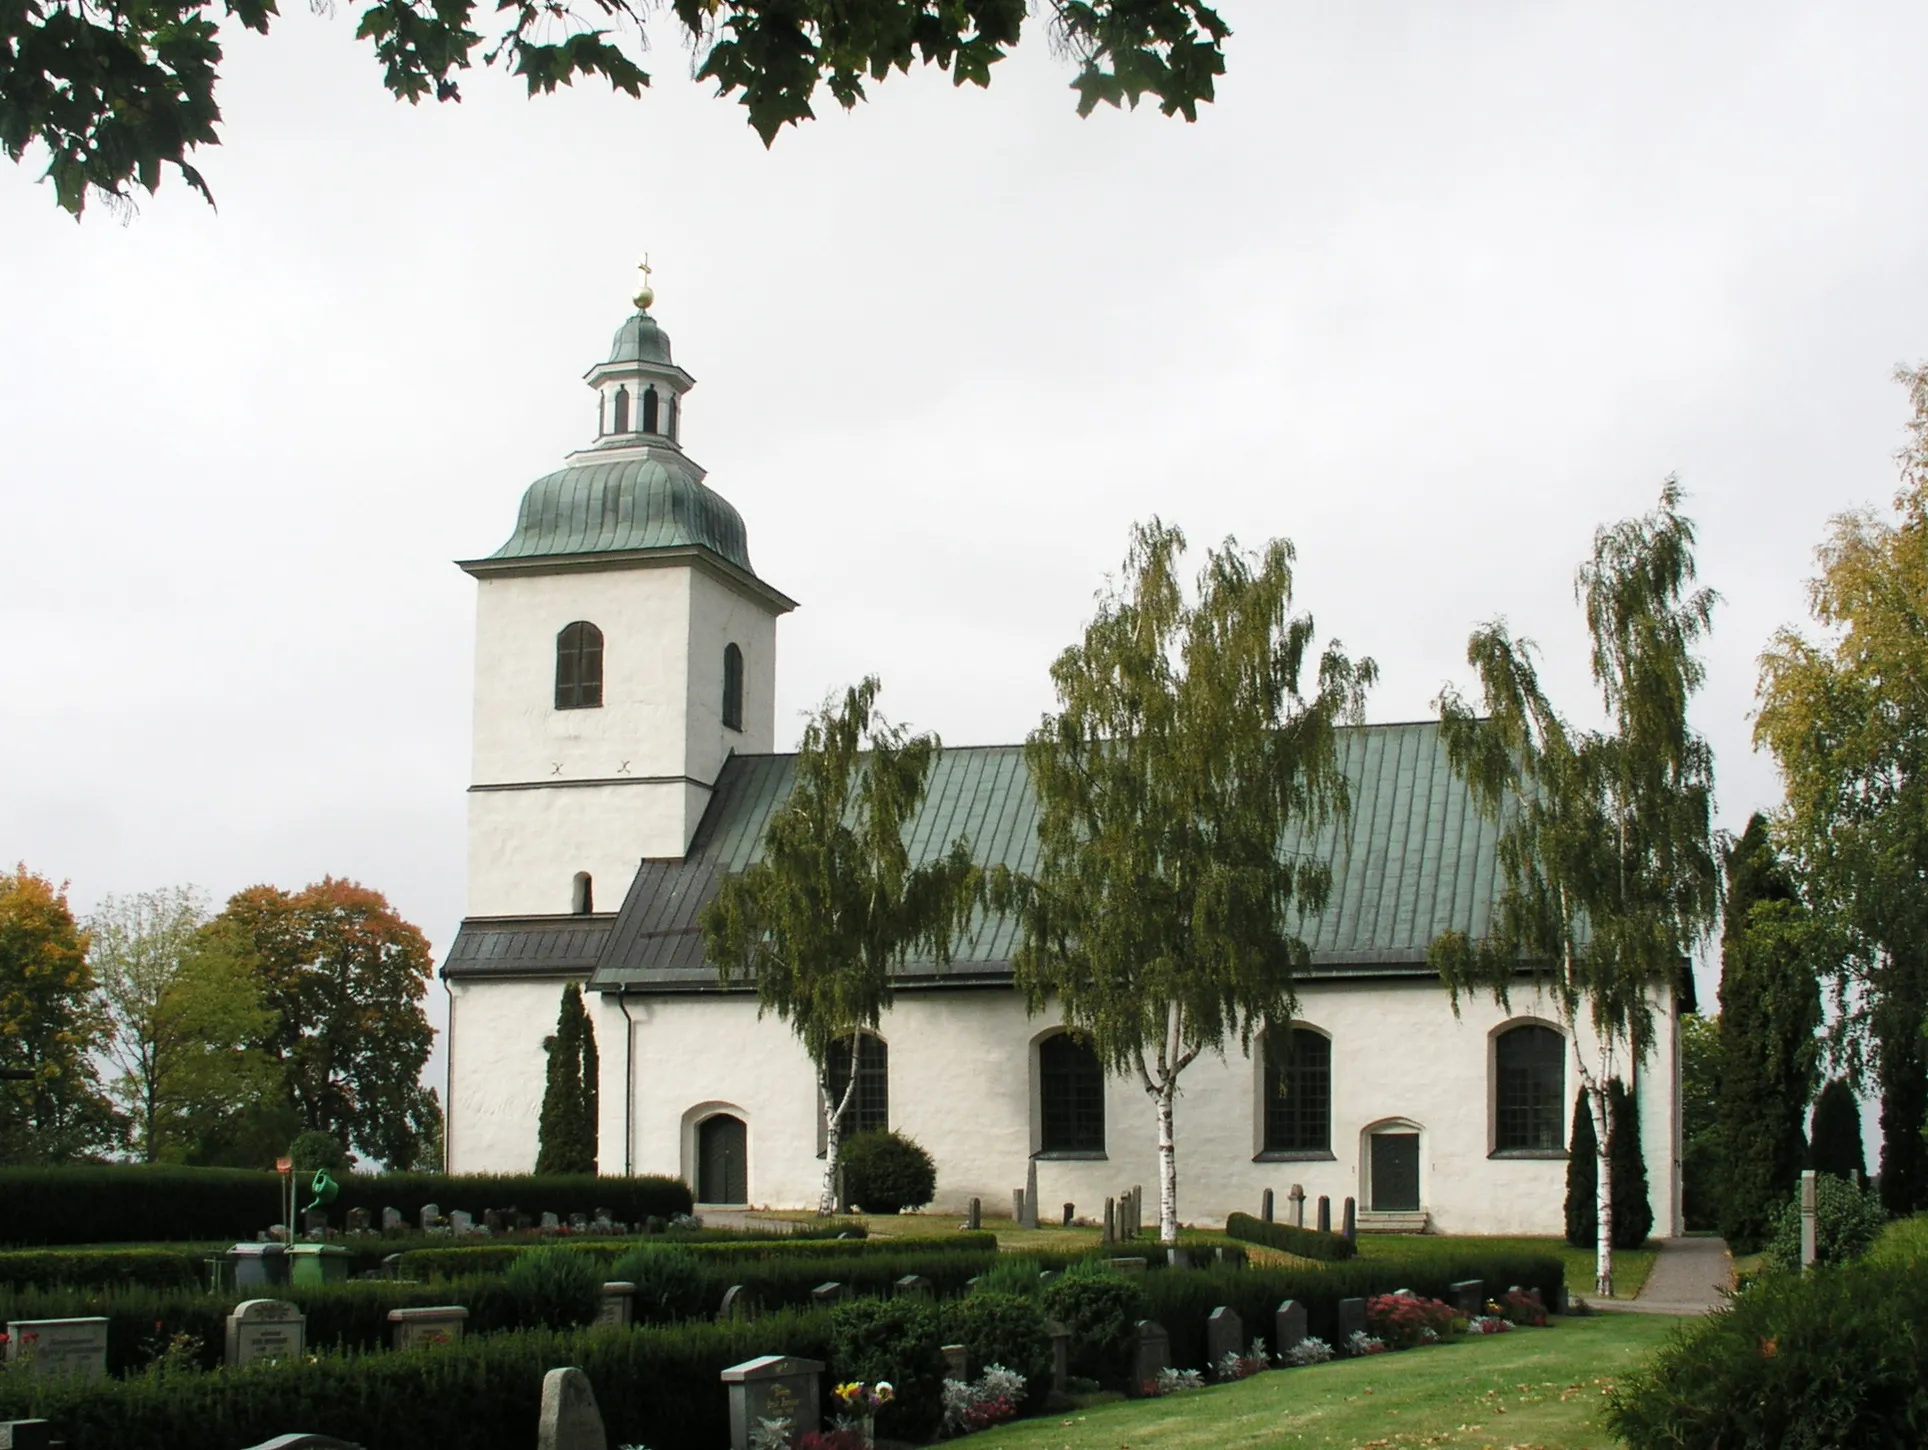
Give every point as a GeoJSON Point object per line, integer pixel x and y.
{"type": "Point", "coordinates": [1431, 290]}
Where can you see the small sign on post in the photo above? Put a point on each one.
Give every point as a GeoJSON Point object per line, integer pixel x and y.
{"type": "Point", "coordinates": [1810, 1204]}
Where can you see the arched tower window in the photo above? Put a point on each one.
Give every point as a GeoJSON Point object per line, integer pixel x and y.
{"type": "Point", "coordinates": [1071, 1096]}
{"type": "Point", "coordinates": [732, 687]}
{"type": "Point", "coordinates": [1298, 1091]}
{"type": "Point", "coordinates": [669, 416]}
{"type": "Point", "coordinates": [583, 894]}
{"type": "Point", "coordinates": [869, 1109]}
{"type": "Point", "coordinates": [602, 414]}
{"type": "Point", "coordinates": [1529, 1089]}
{"type": "Point", "coordinates": [622, 411]}
{"type": "Point", "coordinates": [579, 666]}
{"type": "Point", "coordinates": [649, 409]}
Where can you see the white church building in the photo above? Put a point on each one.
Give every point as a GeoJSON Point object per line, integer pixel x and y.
{"type": "Point", "coordinates": [625, 762]}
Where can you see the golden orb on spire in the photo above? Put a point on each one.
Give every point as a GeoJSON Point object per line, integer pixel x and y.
{"type": "Point", "coordinates": [644, 294]}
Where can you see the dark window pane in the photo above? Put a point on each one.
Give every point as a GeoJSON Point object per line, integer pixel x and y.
{"type": "Point", "coordinates": [1530, 1084]}
{"type": "Point", "coordinates": [1298, 1091]}
{"type": "Point", "coordinates": [622, 411]}
{"type": "Point", "coordinates": [732, 687]}
{"type": "Point", "coordinates": [869, 1109]}
{"type": "Point", "coordinates": [578, 666]}
{"type": "Point", "coordinates": [649, 410]}
{"type": "Point", "coordinates": [1072, 1091]}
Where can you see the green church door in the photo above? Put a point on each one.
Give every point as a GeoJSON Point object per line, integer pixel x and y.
{"type": "Point", "coordinates": [1395, 1172]}
{"type": "Point", "coordinates": [722, 1160]}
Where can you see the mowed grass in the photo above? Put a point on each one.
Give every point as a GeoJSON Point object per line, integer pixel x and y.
{"type": "Point", "coordinates": [1630, 1266]}
{"type": "Point", "coordinates": [1521, 1391]}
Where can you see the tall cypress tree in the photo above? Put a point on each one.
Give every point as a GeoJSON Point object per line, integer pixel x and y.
{"type": "Point", "coordinates": [567, 1131]}
{"type": "Point", "coordinates": [1633, 1217]}
{"type": "Point", "coordinates": [1836, 1146]}
{"type": "Point", "coordinates": [1770, 1000]}
{"type": "Point", "coordinates": [1582, 1178]}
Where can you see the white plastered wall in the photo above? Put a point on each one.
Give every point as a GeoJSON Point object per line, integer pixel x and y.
{"type": "Point", "coordinates": [961, 1084]}
{"type": "Point", "coordinates": [496, 1072]}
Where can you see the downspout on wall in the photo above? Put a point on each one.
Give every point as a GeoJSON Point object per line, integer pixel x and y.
{"type": "Point", "coordinates": [629, 1085]}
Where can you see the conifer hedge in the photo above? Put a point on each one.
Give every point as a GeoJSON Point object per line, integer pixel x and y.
{"type": "Point", "coordinates": [1307, 1243]}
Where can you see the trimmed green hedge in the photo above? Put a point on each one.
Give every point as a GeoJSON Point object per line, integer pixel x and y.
{"type": "Point", "coordinates": [457, 1262]}
{"type": "Point", "coordinates": [1307, 1243]}
{"type": "Point", "coordinates": [101, 1268]}
{"type": "Point", "coordinates": [659, 1387]}
{"type": "Point", "coordinates": [143, 1203]}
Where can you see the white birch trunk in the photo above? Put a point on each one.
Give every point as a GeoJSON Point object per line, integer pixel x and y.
{"type": "Point", "coordinates": [1167, 1165]}
{"type": "Point", "coordinates": [833, 1130]}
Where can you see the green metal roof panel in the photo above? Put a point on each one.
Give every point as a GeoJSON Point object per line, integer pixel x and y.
{"type": "Point", "coordinates": [1415, 858]}
{"type": "Point", "coordinates": [625, 504]}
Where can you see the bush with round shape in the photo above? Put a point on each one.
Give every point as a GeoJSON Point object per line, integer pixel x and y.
{"type": "Point", "coordinates": [1847, 1221]}
{"type": "Point", "coordinates": [554, 1288]}
{"type": "Point", "coordinates": [1101, 1308]}
{"type": "Point", "coordinates": [899, 1341]}
{"type": "Point", "coordinates": [669, 1284]}
{"type": "Point", "coordinates": [315, 1150]}
{"type": "Point", "coordinates": [887, 1173]}
{"type": "Point", "coordinates": [1003, 1329]}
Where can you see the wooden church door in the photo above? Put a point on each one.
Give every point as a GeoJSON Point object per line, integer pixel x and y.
{"type": "Point", "coordinates": [1395, 1172]}
{"type": "Point", "coordinates": [722, 1160]}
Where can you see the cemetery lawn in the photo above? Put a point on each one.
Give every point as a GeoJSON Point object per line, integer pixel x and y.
{"type": "Point", "coordinates": [1521, 1391]}
{"type": "Point", "coordinates": [1630, 1266]}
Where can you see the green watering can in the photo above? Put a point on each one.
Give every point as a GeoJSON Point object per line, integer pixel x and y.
{"type": "Point", "coordinates": [324, 1188]}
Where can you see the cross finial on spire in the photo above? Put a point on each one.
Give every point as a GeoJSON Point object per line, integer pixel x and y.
{"type": "Point", "coordinates": [644, 295]}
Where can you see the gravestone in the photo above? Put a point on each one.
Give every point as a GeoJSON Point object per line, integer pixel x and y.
{"type": "Point", "coordinates": [1111, 1222]}
{"type": "Point", "coordinates": [1030, 1195]}
{"type": "Point", "coordinates": [492, 1220]}
{"type": "Point", "coordinates": [570, 1419]}
{"type": "Point", "coordinates": [1177, 1258]}
{"type": "Point", "coordinates": [1265, 1206]}
{"type": "Point", "coordinates": [522, 1222]}
{"type": "Point", "coordinates": [618, 1307]}
{"type": "Point", "coordinates": [957, 1362]}
{"type": "Point", "coordinates": [1809, 1204]}
{"type": "Point", "coordinates": [391, 1266]}
{"type": "Point", "coordinates": [549, 1220]}
{"type": "Point", "coordinates": [59, 1348]}
{"type": "Point", "coordinates": [431, 1216]}
{"type": "Point", "coordinates": [460, 1221]}
{"type": "Point", "coordinates": [356, 1221]}
{"type": "Point", "coordinates": [1070, 1212]}
{"type": "Point", "coordinates": [1017, 1206]}
{"type": "Point", "coordinates": [265, 1329]}
{"type": "Point", "coordinates": [1047, 1276]}
{"type": "Point", "coordinates": [1288, 1326]}
{"type": "Point", "coordinates": [1154, 1352]}
{"type": "Point", "coordinates": [1229, 1256]}
{"type": "Point", "coordinates": [735, 1304]}
{"type": "Point", "coordinates": [914, 1284]}
{"type": "Point", "coordinates": [314, 1221]}
{"type": "Point", "coordinates": [1060, 1356]}
{"type": "Point", "coordinates": [1224, 1334]}
{"type": "Point", "coordinates": [1352, 1320]}
{"type": "Point", "coordinates": [26, 1435]}
{"type": "Point", "coordinates": [772, 1387]}
{"type": "Point", "coordinates": [1350, 1223]}
{"type": "Point", "coordinates": [974, 1216]}
{"type": "Point", "coordinates": [1469, 1297]}
{"type": "Point", "coordinates": [1297, 1199]}
{"type": "Point", "coordinates": [579, 1221]}
{"type": "Point", "coordinates": [1325, 1214]}
{"type": "Point", "coordinates": [391, 1220]}
{"type": "Point", "coordinates": [830, 1293]}
{"type": "Point", "coordinates": [1132, 1264]}
{"type": "Point", "coordinates": [434, 1324]}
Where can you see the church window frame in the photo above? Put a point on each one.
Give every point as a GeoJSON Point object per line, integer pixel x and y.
{"type": "Point", "coordinates": [651, 409]}
{"type": "Point", "coordinates": [622, 411]}
{"type": "Point", "coordinates": [1071, 1098]}
{"type": "Point", "coordinates": [1295, 1094]}
{"type": "Point", "coordinates": [1528, 1065]}
{"type": "Point", "coordinates": [579, 666]}
{"type": "Point", "coordinates": [732, 687]}
{"type": "Point", "coordinates": [869, 1109]}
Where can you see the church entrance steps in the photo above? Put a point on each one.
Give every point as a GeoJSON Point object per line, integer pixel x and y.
{"type": "Point", "coordinates": [1414, 1222]}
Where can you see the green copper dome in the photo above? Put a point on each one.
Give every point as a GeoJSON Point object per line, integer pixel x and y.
{"type": "Point", "coordinates": [621, 505]}
{"type": "Point", "coordinates": [640, 340]}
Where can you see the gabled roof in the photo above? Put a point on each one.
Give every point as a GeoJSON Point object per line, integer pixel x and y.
{"type": "Point", "coordinates": [1415, 858]}
{"type": "Point", "coordinates": [528, 946]}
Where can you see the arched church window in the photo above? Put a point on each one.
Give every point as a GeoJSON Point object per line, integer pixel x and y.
{"type": "Point", "coordinates": [1298, 1091]}
{"type": "Point", "coordinates": [622, 411]}
{"type": "Point", "coordinates": [579, 666]}
{"type": "Point", "coordinates": [583, 895]}
{"type": "Point", "coordinates": [869, 1109]}
{"type": "Point", "coordinates": [1071, 1093]}
{"type": "Point", "coordinates": [649, 410]}
{"type": "Point", "coordinates": [669, 417]}
{"type": "Point", "coordinates": [1529, 1083]}
{"type": "Point", "coordinates": [732, 687]}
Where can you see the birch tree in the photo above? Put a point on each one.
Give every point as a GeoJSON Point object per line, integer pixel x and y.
{"type": "Point", "coordinates": [1187, 746]}
{"type": "Point", "coordinates": [1606, 847]}
{"type": "Point", "coordinates": [835, 906]}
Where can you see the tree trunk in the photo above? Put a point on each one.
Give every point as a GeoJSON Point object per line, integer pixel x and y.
{"type": "Point", "coordinates": [833, 1126]}
{"type": "Point", "coordinates": [1167, 1164]}
{"type": "Point", "coordinates": [1603, 1191]}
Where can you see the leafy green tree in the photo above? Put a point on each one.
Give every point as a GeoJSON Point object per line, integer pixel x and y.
{"type": "Point", "coordinates": [1835, 1138]}
{"type": "Point", "coordinates": [566, 1133]}
{"type": "Point", "coordinates": [343, 977]}
{"type": "Point", "coordinates": [1770, 993]}
{"type": "Point", "coordinates": [1606, 839]}
{"type": "Point", "coordinates": [1847, 721]}
{"type": "Point", "coordinates": [1701, 1158]}
{"type": "Point", "coordinates": [835, 905]}
{"type": "Point", "coordinates": [1160, 918]}
{"type": "Point", "coordinates": [114, 94]}
{"type": "Point", "coordinates": [51, 1026]}
{"type": "Point", "coordinates": [185, 1016]}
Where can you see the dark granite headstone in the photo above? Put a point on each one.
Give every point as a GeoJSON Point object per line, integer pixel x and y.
{"type": "Point", "coordinates": [1325, 1214]}
{"type": "Point", "coordinates": [1265, 1206]}
{"type": "Point", "coordinates": [1469, 1297]}
{"type": "Point", "coordinates": [1288, 1326]}
{"type": "Point", "coordinates": [1351, 1221]}
{"type": "Point", "coordinates": [1154, 1352]}
{"type": "Point", "coordinates": [1224, 1334]}
{"type": "Point", "coordinates": [1070, 1212]}
{"type": "Point", "coordinates": [916, 1285]}
{"type": "Point", "coordinates": [974, 1218]}
{"type": "Point", "coordinates": [1352, 1320]}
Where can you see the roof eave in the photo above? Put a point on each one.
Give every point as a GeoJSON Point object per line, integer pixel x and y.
{"type": "Point", "coordinates": [700, 556]}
